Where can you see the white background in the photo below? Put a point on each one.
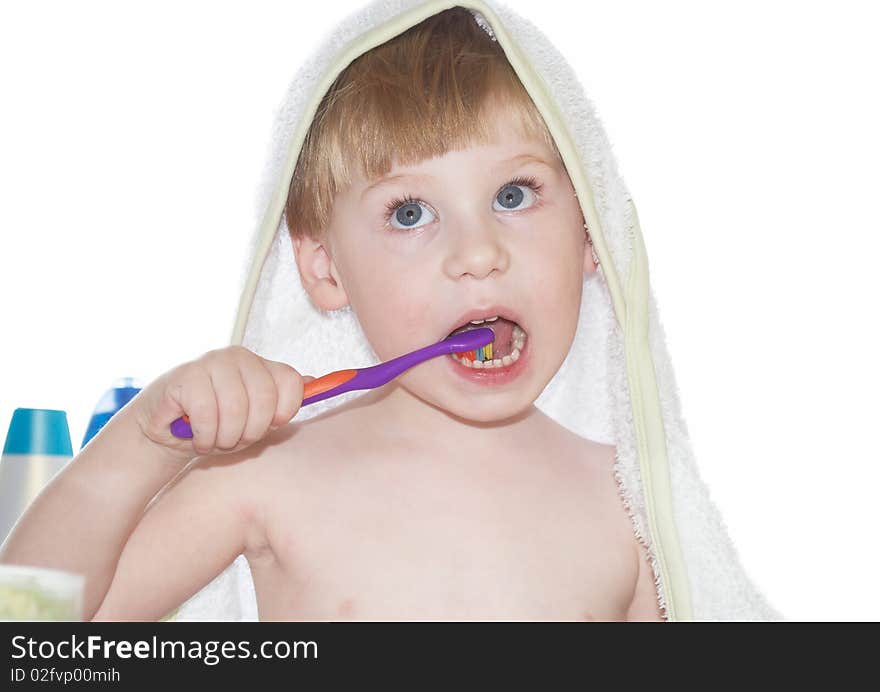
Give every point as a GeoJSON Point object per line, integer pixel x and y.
{"type": "Point", "coordinates": [133, 140]}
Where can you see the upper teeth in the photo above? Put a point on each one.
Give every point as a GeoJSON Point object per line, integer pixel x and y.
{"type": "Point", "coordinates": [488, 319]}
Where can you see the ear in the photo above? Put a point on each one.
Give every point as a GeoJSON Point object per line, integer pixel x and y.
{"type": "Point", "coordinates": [319, 274]}
{"type": "Point", "coordinates": [589, 265]}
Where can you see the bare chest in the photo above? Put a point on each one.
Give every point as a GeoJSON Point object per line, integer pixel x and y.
{"type": "Point", "coordinates": [419, 541]}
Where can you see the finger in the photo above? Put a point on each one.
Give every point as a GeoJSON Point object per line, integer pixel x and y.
{"type": "Point", "coordinates": [195, 396]}
{"type": "Point", "coordinates": [232, 404]}
{"type": "Point", "coordinates": [262, 396]}
{"type": "Point", "coordinates": [289, 384]}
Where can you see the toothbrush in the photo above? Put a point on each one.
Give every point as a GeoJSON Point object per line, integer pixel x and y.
{"type": "Point", "coordinates": [342, 381]}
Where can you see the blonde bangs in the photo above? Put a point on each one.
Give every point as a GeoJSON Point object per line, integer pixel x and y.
{"type": "Point", "coordinates": [431, 90]}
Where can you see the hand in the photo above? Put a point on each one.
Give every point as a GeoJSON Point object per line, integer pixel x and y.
{"type": "Point", "coordinates": [232, 396]}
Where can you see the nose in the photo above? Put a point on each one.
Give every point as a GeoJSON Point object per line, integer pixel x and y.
{"type": "Point", "coordinates": [476, 250]}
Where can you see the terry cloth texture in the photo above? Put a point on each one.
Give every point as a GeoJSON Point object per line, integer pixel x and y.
{"type": "Point", "coordinates": [617, 384]}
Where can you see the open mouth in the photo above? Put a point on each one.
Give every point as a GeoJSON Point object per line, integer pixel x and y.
{"type": "Point", "coordinates": [505, 350]}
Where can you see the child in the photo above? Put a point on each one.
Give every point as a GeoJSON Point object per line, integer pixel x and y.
{"type": "Point", "coordinates": [429, 193]}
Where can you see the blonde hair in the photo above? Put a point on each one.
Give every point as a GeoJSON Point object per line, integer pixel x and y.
{"type": "Point", "coordinates": [428, 91]}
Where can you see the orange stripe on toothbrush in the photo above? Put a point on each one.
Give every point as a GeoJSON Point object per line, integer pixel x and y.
{"type": "Point", "coordinates": [328, 381]}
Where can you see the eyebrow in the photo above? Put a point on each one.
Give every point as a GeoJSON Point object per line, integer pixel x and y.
{"type": "Point", "coordinates": [534, 158]}
{"type": "Point", "coordinates": [525, 158]}
{"type": "Point", "coordinates": [391, 178]}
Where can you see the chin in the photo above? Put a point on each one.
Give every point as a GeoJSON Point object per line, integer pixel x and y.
{"type": "Point", "coordinates": [489, 409]}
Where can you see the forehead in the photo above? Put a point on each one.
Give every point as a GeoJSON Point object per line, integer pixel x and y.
{"type": "Point", "coordinates": [500, 153]}
{"type": "Point", "coordinates": [490, 160]}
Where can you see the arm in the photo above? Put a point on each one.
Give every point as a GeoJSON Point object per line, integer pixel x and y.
{"type": "Point", "coordinates": [83, 517]}
{"type": "Point", "coordinates": [140, 560]}
{"type": "Point", "coordinates": [644, 606]}
{"type": "Point", "coordinates": [189, 534]}
{"type": "Point", "coordinates": [90, 520]}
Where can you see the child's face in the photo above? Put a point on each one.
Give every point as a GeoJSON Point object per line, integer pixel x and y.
{"type": "Point", "coordinates": [469, 242]}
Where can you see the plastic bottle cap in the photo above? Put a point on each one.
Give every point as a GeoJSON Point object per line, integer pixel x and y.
{"type": "Point", "coordinates": [38, 431]}
{"type": "Point", "coordinates": [123, 390]}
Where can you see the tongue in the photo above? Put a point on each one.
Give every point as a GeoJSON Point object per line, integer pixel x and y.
{"type": "Point", "coordinates": [503, 344]}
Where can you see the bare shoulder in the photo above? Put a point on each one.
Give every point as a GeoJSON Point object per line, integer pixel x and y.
{"type": "Point", "coordinates": [634, 566]}
{"type": "Point", "coordinates": [298, 455]}
{"type": "Point", "coordinates": [308, 445]}
{"type": "Point", "coordinates": [633, 556]}
{"type": "Point", "coordinates": [608, 515]}
{"type": "Point", "coordinates": [599, 460]}
{"type": "Point", "coordinates": [596, 460]}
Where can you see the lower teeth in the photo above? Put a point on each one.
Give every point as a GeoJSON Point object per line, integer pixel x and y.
{"type": "Point", "coordinates": [489, 364]}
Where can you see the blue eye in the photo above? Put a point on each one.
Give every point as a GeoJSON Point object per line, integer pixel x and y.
{"type": "Point", "coordinates": [511, 195]}
{"type": "Point", "coordinates": [407, 212]}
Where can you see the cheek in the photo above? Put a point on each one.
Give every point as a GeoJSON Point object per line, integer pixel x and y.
{"type": "Point", "coordinates": [394, 311]}
{"type": "Point", "coordinates": [557, 274]}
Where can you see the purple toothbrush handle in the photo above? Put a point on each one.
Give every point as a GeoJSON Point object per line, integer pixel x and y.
{"type": "Point", "coordinates": [377, 375]}
{"type": "Point", "coordinates": [180, 428]}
